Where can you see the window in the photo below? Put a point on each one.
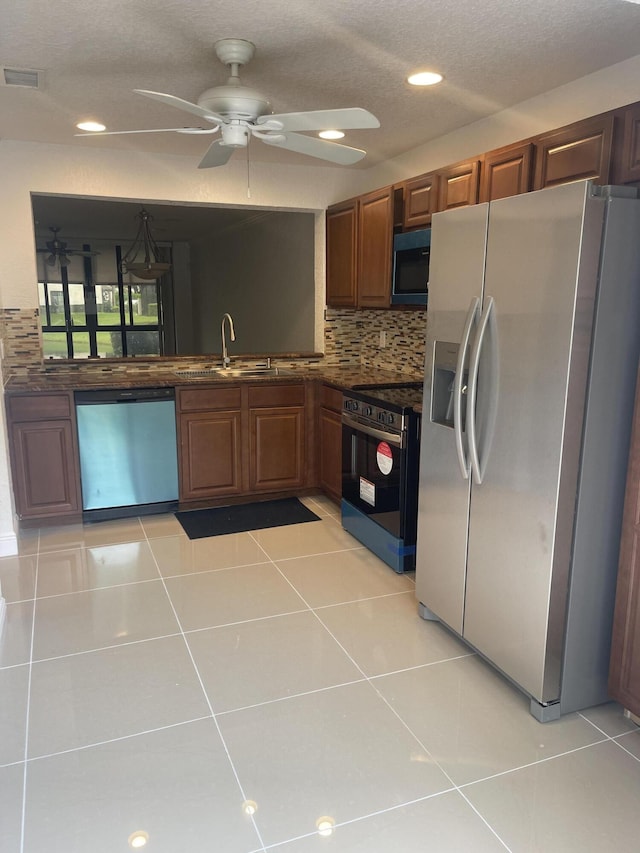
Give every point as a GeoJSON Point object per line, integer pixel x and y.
{"type": "Point", "coordinates": [81, 319]}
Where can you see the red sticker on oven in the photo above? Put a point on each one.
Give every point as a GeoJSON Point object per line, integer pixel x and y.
{"type": "Point", "coordinates": [384, 457]}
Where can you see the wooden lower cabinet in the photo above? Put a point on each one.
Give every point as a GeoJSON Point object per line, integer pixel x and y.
{"type": "Point", "coordinates": [277, 437]}
{"type": "Point", "coordinates": [624, 673]}
{"type": "Point", "coordinates": [210, 454]}
{"type": "Point", "coordinates": [276, 449]}
{"type": "Point", "coordinates": [242, 439]}
{"type": "Point", "coordinates": [44, 455]}
{"type": "Point", "coordinates": [330, 441]}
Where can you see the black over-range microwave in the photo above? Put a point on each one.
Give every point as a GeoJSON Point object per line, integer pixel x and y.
{"type": "Point", "coordinates": [410, 283]}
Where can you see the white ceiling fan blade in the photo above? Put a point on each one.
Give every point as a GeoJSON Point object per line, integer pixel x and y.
{"type": "Point", "coordinates": [321, 148]}
{"type": "Point", "coordinates": [152, 130]}
{"type": "Point", "coordinates": [345, 119]}
{"type": "Point", "coordinates": [181, 104]}
{"type": "Point", "coordinates": [217, 155]}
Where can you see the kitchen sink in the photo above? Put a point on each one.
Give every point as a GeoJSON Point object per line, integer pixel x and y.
{"type": "Point", "coordinates": [233, 372]}
{"type": "Point", "coordinates": [253, 371]}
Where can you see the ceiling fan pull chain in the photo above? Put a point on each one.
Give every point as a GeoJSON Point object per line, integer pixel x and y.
{"type": "Point", "coordinates": [248, 168]}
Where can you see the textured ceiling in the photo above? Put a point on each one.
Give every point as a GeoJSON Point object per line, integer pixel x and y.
{"type": "Point", "coordinates": [311, 54]}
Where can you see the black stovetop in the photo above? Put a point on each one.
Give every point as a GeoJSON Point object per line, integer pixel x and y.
{"type": "Point", "coordinates": [395, 398]}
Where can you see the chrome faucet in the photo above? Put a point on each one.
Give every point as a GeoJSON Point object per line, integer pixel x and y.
{"type": "Point", "coordinates": [226, 361]}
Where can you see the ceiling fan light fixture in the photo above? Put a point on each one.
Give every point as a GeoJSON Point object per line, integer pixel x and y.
{"type": "Point", "coordinates": [424, 78]}
{"type": "Point", "coordinates": [91, 126]}
{"type": "Point", "coordinates": [144, 243]}
{"type": "Point", "coordinates": [331, 134]}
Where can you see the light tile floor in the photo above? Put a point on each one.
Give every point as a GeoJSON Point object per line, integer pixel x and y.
{"type": "Point", "coordinates": [237, 693]}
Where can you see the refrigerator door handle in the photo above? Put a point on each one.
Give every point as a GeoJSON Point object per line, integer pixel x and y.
{"type": "Point", "coordinates": [474, 367]}
{"type": "Point", "coordinates": [458, 389]}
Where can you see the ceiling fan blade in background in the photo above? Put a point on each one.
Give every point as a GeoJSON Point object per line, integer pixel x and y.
{"type": "Point", "coordinates": [181, 104]}
{"type": "Point", "coordinates": [216, 155]}
{"type": "Point", "coordinates": [344, 119]}
{"type": "Point", "coordinates": [152, 130]}
{"type": "Point", "coordinates": [343, 155]}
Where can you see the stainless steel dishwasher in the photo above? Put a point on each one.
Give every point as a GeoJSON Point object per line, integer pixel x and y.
{"type": "Point", "coordinates": [128, 451]}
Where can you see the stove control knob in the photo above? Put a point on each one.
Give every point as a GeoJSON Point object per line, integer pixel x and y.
{"type": "Point", "coordinates": [390, 418]}
{"type": "Point", "coordinates": [355, 405]}
{"type": "Point", "coordinates": [368, 411]}
{"type": "Point", "coordinates": [381, 417]}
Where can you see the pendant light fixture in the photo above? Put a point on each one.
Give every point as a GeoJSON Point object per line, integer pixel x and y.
{"type": "Point", "coordinates": [144, 246]}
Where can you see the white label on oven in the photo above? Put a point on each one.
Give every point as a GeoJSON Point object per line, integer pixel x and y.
{"type": "Point", "coordinates": [384, 457]}
{"type": "Point", "coordinates": [367, 492]}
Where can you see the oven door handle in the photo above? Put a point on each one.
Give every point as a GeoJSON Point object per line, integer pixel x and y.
{"type": "Point", "coordinates": [394, 438]}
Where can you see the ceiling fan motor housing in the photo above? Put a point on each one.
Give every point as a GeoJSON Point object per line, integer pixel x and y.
{"type": "Point", "coordinates": [235, 102]}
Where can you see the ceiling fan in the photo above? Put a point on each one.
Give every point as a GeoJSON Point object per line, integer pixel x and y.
{"type": "Point", "coordinates": [240, 112]}
{"type": "Point", "coordinates": [57, 251]}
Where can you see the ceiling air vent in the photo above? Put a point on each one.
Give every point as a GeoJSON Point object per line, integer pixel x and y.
{"type": "Point", "coordinates": [25, 77]}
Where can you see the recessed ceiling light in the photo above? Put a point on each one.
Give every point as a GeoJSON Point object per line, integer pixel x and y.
{"type": "Point", "coordinates": [424, 78]}
{"type": "Point", "coordinates": [92, 126]}
{"type": "Point", "coordinates": [331, 134]}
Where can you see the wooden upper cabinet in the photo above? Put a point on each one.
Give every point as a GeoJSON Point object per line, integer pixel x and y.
{"type": "Point", "coordinates": [342, 254]}
{"type": "Point", "coordinates": [624, 673]}
{"type": "Point", "coordinates": [375, 236]}
{"type": "Point", "coordinates": [628, 160]}
{"type": "Point", "coordinates": [578, 152]}
{"type": "Point", "coordinates": [420, 201]}
{"type": "Point", "coordinates": [459, 185]}
{"type": "Point", "coordinates": [506, 172]}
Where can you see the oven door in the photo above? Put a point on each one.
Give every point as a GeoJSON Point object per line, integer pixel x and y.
{"type": "Point", "coordinates": [373, 472]}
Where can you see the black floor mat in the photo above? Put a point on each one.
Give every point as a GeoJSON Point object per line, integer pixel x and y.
{"type": "Point", "coordinates": [198, 523]}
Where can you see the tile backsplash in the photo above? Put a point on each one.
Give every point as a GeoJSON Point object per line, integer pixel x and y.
{"type": "Point", "coordinates": [389, 340]}
{"type": "Point", "coordinates": [355, 337]}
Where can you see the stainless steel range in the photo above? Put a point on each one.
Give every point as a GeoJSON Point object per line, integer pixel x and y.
{"type": "Point", "coordinates": [380, 453]}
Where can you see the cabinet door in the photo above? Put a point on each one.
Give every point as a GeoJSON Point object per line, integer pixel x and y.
{"type": "Point", "coordinates": [375, 236]}
{"type": "Point", "coordinates": [624, 674]}
{"type": "Point", "coordinates": [341, 254]}
{"type": "Point", "coordinates": [276, 448]}
{"type": "Point", "coordinates": [45, 468]}
{"type": "Point", "coordinates": [420, 201]}
{"type": "Point", "coordinates": [330, 451]}
{"type": "Point", "coordinates": [628, 166]}
{"type": "Point", "coordinates": [506, 172]}
{"type": "Point", "coordinates": [459, 185]}
{"type": "Point", "coordinates": [578, 152]}
{"type": "Point", "coordinates": [210, 455]}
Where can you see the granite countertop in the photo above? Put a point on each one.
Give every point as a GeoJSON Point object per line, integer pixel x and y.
{"type": "Point", "coordinates": [344, 377]}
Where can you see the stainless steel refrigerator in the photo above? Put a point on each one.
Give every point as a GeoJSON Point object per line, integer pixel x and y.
{"type": "Point", "coordinates": [533, 339]}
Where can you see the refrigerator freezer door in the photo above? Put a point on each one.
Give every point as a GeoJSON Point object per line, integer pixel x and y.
{"type": "Point", "coordinates": [458, 242]}
{"type": "Point", "coordinates": [541, 271]}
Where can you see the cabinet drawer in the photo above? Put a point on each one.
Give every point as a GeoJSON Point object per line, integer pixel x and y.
{"type": "Point", "coordinates": [35, 407]}
{"type": "Point", "coordinates": [331, 398]}
{"type": "Point", "coordinates": [208, 399]}
{"type": "Point", "coordinates": [265, 396]}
